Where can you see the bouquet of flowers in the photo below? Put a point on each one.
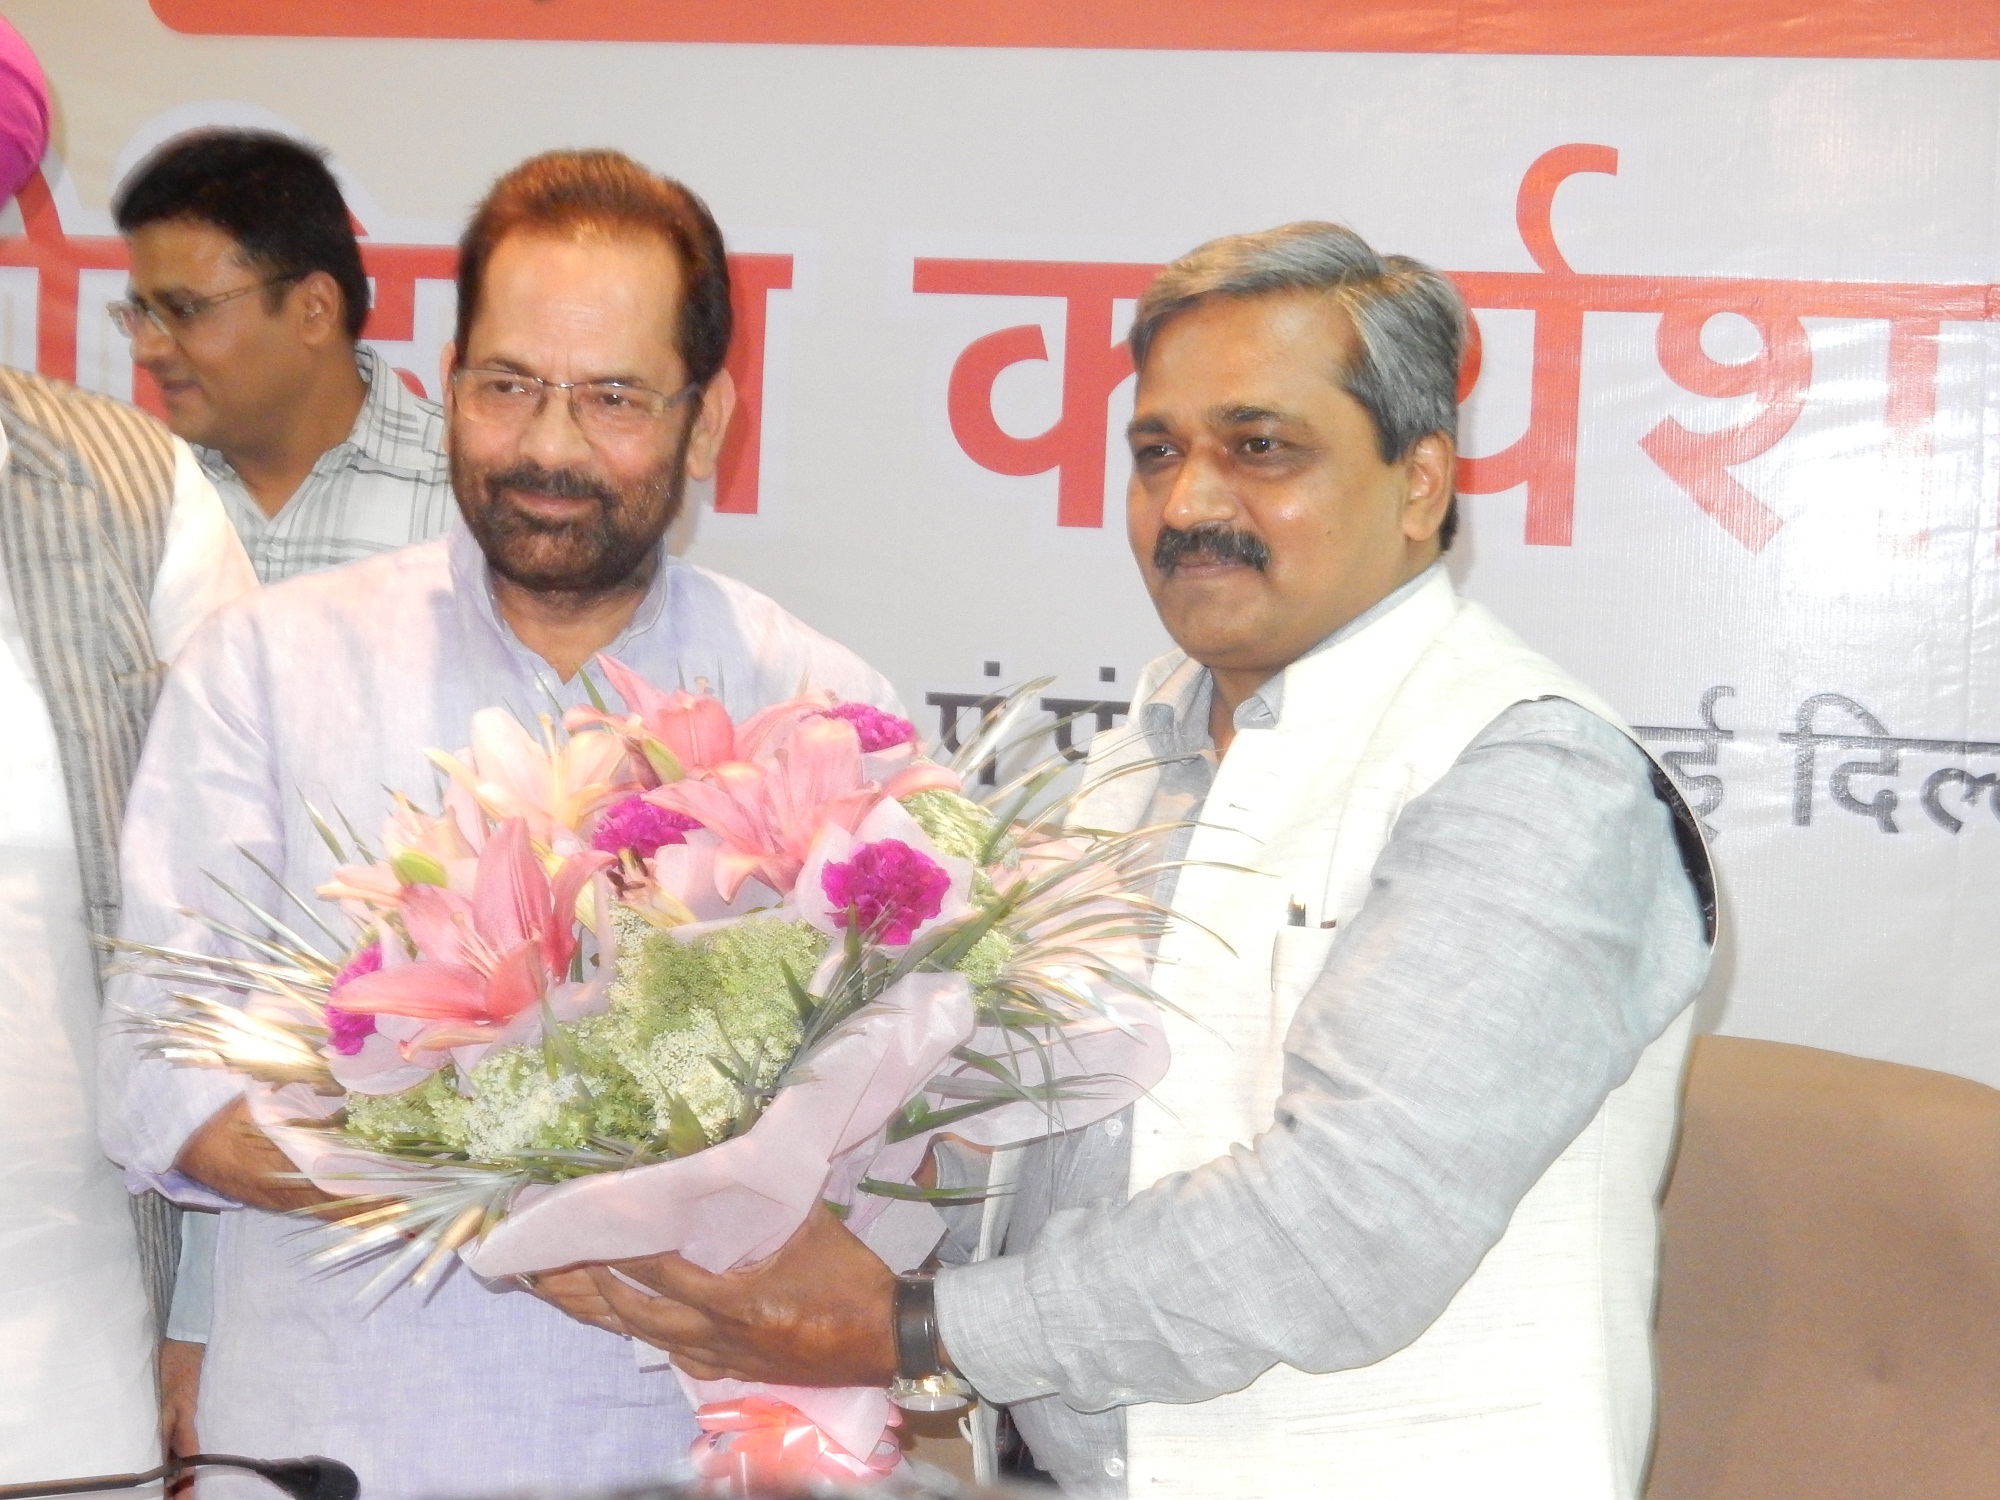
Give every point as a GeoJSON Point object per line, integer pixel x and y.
{"type": "Point", "coordinates": [655, 980]}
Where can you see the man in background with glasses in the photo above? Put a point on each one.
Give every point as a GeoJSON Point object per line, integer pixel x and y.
{"type": "Point", "coordinates": [246, 303]}
{"type": "Point", "coordinates": [584, 389]}
{"type": "Point", "coordinates": [246, 306]}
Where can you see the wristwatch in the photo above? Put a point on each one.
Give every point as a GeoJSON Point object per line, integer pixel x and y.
{"type": "Point", "coordinates": [923, 1383]}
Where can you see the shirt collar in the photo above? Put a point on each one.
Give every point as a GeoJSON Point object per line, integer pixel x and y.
{"type": "Point", "coordinates": [395, 431]}
{"type": "Point", "coordinates": [1175, 717]}
{"type": "Point", "coordinates": [472, 584]}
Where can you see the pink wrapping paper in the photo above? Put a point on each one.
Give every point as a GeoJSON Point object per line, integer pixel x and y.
{"type": "Point", "coordinates": [739, 1201]}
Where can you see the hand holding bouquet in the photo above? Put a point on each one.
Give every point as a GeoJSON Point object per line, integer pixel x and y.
{"type": "Point", "coordinates": [659, 981]}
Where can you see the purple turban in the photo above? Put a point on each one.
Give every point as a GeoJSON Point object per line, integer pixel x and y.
{"type": "Point", "coordinates": [24, 112]}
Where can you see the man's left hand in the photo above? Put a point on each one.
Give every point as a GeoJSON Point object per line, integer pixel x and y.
{"type": "Point", "coordinates": [572, 1290]}
{"type": "Point", "coordinates": [818, 1312]}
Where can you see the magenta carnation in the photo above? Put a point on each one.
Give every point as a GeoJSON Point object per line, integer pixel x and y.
{"type": "Point", "coordinates": [348, 1029]}
{"type": "Point", "coordinates": [366, 961]}
{"type": "Point", "coordinates": [887, 888]}
{"type": "Point", "coordinates": [636, 824]}
{"type": "Point", "coordinates": [878, 730]}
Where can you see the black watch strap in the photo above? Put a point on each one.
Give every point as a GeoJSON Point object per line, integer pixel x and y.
{"type": "Point", "coordinates": [922, 1383]}
{"type": "Point", "coordinates": [916, 1327]}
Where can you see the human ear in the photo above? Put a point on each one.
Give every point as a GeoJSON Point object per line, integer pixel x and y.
{"type": "Point", "coordinates": [447, 362]}
{"type": "Point", "coordinates": [1429, 471]}
{"type": "Point", "coordinates": [711, 425]}
{"type": "Point", "coordinates": [320, 309]}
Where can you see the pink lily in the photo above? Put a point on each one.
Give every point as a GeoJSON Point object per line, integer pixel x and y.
{"type": "Point", "coordinates": [483, 964]}
{"type": "Point", "coordinates": [453, 836]}
{"type": "Point", "coordinates": [899, 767]}
{"type": "Point", "coordinates": [553, 787]}
{"type": "Point", "coordinates": [765, 732]}
{"type": "Point", "coordinates": [765, 814]}
{"type": "Point", "coordinates": [680, 886]}
{"type": "Point", "coordinates": [422, 848]}
{"type": "Point", "coordinates": [671, 734]}
{"type": "Point", "coordinates": [363, 890]}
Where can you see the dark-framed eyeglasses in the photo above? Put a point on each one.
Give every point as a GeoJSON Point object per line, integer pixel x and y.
{"type": "Point", "coordinates": [603, 410]}
{"type": "Point", "coordinates": [173, 315]}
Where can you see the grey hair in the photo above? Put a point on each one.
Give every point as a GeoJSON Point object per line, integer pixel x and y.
{"type": "Point", "coordinates": [1409, 321]}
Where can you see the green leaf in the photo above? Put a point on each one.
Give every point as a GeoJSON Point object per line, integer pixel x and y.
{"type": "Point", "coordinates": [906, 1127]}
{"type": "Point", "coordinates": [802, 1000]}
{"type": "Point", "coordinates": [910, 1192]}
{"type": "Point", "coordinates": [685, 1135]}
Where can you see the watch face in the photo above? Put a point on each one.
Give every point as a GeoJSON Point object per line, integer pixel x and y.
{"type": "Point", "coordinates": [932, 1393]}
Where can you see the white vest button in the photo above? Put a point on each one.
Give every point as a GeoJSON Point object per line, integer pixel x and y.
{"type": "Point", "coordinates": [1114, 1466]}
{"type": "Point", "coordinates": [1114, 1127]}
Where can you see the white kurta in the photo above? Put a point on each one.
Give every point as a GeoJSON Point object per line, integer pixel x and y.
{"type": "Point", "coordinates": [76, 1340]}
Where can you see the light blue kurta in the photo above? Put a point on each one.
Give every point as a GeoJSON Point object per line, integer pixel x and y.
{"type": "Point", "coordinates": [326, 690]}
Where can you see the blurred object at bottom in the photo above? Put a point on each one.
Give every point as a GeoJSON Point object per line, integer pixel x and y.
{"type": "Point", "coordinates": [1829, 1318]}
{"type": "Point", "coordinates": [301, 1478]}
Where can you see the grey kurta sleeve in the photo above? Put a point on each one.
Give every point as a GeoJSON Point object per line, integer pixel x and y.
{"type": "Point", "coordinates": [1530, 929]}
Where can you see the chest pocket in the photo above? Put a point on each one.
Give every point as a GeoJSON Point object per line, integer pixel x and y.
{"type": "Point", "coordinates": [1298, 958]}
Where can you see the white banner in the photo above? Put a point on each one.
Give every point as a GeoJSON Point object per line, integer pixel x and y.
{"type": "Point", "coordinates": [1730, 436]}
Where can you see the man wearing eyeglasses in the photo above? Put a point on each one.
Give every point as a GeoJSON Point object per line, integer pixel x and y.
{"type": "Point", "coordinates": [585, 387]}
{"type": "Point", "coordinates": [246, 306]}
{"type": "Point", "coordinates": [246, 303]}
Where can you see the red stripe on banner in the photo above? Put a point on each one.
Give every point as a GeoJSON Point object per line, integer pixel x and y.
{"type": "Point", "coordinates": [1638, 28]}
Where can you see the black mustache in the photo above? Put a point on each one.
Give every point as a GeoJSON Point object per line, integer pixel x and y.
{"type": "Point", "coordinates": [564, 484]}
{"type": "Point", "coordinates": [1219, 543]}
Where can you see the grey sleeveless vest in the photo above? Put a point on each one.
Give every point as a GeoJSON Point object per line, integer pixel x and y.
{"type": "Point", "coordinates": [83, 521]}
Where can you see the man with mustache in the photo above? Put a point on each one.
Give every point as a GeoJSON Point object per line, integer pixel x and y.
{"type": "Point", "coordinates": [246, 307]}
{"type": "Point", "coordinates": [585, 387]}
{"type": "Point", "coordinates": [1387, 1228]}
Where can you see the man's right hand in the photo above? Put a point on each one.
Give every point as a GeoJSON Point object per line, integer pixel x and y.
{"type": "Point", "coordinates": [234, 1157]}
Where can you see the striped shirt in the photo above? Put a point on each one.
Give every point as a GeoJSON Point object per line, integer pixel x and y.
{"type": "Point", "coordinates": [387, 485]}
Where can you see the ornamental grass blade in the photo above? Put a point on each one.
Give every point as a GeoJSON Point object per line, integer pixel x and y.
{"type": "Point", "coordinates": [996, 733]}
{"type": "Point", "coordinates": [298, 955]}
{"type": "Point", "coordinates": [327, 835]}
{"type": "Point", "coordinates": [434, 1215]}
{"type": "Point", "coordinates": [362, 851]}
{"type": "Point", "coordinates": [310, 910]}
{"type": "Point", "coordinates": [909, 1192]}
